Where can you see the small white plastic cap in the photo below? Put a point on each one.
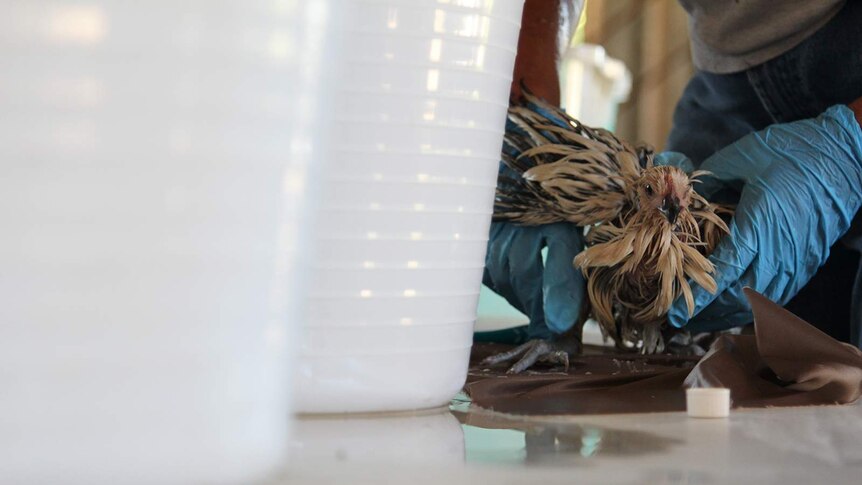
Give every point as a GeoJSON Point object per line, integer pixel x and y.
{"type": "Point", "coordinates": [708, 402]}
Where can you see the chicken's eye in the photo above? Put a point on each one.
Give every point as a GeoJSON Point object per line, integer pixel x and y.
{"type": "Point", "coordinates": [648, 189]}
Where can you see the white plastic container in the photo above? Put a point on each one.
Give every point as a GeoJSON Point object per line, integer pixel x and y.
{"type": "Point", "coordinates": [408, 191]}
{"type": "Point", "coordinates": [410, 195]}
{"type": "Point", "coordinates": [593, 85]}
{"type": "Point", "coordinates": [143, 149]}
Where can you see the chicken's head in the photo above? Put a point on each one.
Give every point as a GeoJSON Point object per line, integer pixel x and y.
{"type": "Point", "coordinates": [663, 193]}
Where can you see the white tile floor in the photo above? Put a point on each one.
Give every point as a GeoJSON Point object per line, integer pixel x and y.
{"type": "Point", "coordinates": [469, 446]}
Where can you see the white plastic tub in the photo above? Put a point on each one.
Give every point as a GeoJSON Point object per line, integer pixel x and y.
{"type": "Point", "coordinates": [379, 339]}
{"type": "Point", "coordinates": [410, 225]}
{"type": "Point", "coordinates": [391, 380]}
{"type": "Point", "coordinates": [143, 149]}
{"type": "Point", "coordinates": [408, 186]}
{"type": "Point", "coordinates": [425, 107]}
{"type": "Point", "coordinates": [409, 195]}
{"type": "Point", "coordinates": [378, 253]}
{"type": "Point", "coordinates": [593, 85]}
{"type": "Point", "coordinates": [409, 280]}
{"type": "Point", "coordinates": [392, 309]}
{"type": "Point", "coordinates": [440, 165]}
{"type": "Point", "coordinates": [419, 137]}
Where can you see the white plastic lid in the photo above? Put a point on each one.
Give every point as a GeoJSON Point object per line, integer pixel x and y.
{"type": "Point", "coordinates": [708, 402]}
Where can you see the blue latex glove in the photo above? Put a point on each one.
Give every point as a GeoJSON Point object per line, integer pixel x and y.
{"type": "Point", "coordinates": [550, 293]}
{"type": "Point", "coordinates": [801, 185]}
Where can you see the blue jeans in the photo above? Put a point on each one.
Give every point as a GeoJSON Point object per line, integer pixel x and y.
{"type": "Point", "coordinates": [718, 109]}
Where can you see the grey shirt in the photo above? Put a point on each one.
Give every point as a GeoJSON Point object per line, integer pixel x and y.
{"type": "Point", "coordinates": [733, 35]}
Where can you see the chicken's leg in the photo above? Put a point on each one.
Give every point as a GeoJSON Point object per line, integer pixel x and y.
{"type": "Point", "coordinates": [556, 351]}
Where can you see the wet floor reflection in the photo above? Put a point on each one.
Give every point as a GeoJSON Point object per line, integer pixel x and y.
{"type": "Point", "coordinates": [429, 438]}
{"type": "Point", "coordinates": [496, 438]}
{"type": "Point", "coordinates": [799, 445]}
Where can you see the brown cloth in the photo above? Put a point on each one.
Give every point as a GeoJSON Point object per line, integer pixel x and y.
{"type": "Point", "coordinates": [787, 362]}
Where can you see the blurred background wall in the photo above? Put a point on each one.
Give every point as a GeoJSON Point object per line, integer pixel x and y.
{"type": "Point", "coordinates": [651, 38]}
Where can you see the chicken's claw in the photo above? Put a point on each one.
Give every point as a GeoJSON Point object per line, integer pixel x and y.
{"type": "Point", "coordinates": [538, 350]}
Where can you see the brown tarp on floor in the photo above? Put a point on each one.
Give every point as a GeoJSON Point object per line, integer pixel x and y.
{"type": "Point", "coordinates": [787, 362]}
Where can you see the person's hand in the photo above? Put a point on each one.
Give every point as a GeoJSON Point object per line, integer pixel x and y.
{"type": "Point", "coordinates": [801, 185]}
{"type": "Point", "coordinates": [550, 293]}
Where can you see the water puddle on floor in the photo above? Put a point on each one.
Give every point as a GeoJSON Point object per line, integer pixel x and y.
{"type": "Point", "coordinates": [496, 438]}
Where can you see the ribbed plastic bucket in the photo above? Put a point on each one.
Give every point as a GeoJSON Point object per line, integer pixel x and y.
{"type": "Point", "coordinates": [409, 172]}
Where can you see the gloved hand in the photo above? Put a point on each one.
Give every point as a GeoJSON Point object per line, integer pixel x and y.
{"type": "Point", "coordinates": [549, 293]}
{"type": "Point", "coordinates": [801, 185]}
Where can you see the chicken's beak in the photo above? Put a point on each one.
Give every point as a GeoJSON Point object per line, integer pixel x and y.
{"type": "Point", "coordinates": [670, 208]}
